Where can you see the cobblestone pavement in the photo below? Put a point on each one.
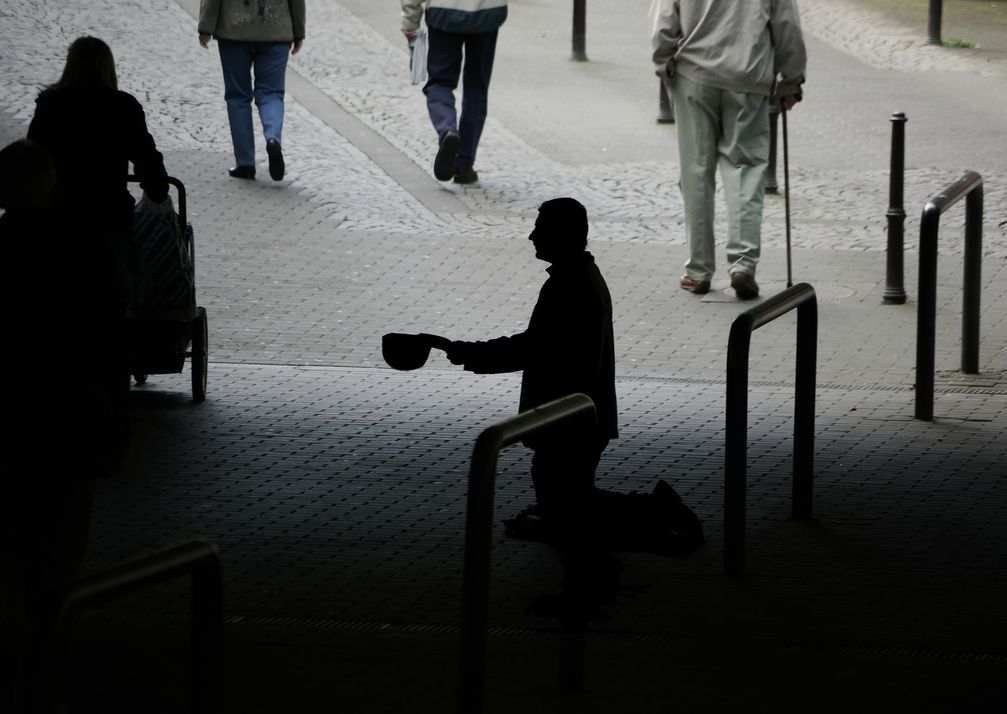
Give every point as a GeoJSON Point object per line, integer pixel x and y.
{"type": "Point", "coordinates": [334, 486]}
{"type": "Point", "coordinates": [840, 167]}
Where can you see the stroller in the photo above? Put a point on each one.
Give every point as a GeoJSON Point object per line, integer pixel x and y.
{"type": "Point", "coordinates": [164, 326]}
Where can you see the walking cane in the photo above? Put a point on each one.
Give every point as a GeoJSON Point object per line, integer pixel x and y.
{"type": "Point", "coordinates": [786, 188]}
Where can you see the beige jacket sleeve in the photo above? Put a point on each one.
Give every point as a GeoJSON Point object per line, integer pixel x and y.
{"type": "Point", "coordinates": [666, 32]}
{"type": "Point", "coordinates": [412, 14]}
{"type": "Point", "coordinates": [790, 57]}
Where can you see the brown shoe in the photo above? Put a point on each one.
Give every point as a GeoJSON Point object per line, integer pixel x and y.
{"type": "Point", "coordinates": [700, 287]}
{"type": "Point", "coordinates": [744, 285]}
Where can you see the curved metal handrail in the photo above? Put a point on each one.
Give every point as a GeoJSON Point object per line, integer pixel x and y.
{"type": "Point", "coordinates": [802, 298]}
{"type": "Point", "coordinates": [478, 532]}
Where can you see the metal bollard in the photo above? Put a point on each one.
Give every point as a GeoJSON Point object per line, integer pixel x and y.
{"type": "Point", "coordinates": [895, 292]}
{"type": "Point", "coordinates": [934, 22]}
{"type": "Point", "coordinates": [666, 107]}
{"type": "Point", "coordinates": [579, 31]}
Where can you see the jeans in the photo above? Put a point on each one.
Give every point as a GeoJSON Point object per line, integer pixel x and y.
{"type": "Point", "coordinates": [268, 60]}
{"type": "Point", "coordinates": [444, 66]}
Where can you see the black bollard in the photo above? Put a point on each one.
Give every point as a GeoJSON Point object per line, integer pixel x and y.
{"type": "Point", "coordinates": [665, 106]}
{"type": "Point", "coordinates": [934, 23]}
{"type": "Point", "coordinates": [895, 293]}
{"type": "Point", "coordinates": [579, 31]}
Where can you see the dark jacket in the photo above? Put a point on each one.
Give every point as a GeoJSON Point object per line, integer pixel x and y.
{"type": "Point", "coordinates": [42, 338]}
{"type": "Point", "coordinates": [92, 137]}
{"type": "Point", "coordinates": [257, 21]}
{"type": "Point", "coordinates": [568, 346]}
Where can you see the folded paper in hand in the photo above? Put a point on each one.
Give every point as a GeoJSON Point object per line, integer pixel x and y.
{"type": "Point", "coordinates": [418, 62]}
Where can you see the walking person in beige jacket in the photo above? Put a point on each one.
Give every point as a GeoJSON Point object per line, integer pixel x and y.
{"type": "Point", "coordinates": [724, 61]}
{"type": "Point", "coordinates": [463, 37]}
{"type": "Point", "coordinates": [255, 38]}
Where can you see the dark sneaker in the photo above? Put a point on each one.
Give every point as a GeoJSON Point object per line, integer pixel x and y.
{"type": "Point", "coordinates": [670, 543]}
{"type": "Point", "coordinates": [242, 172]}
{"type": "Point", "coordinates": [675, 516]}
{"type": "Point", "coordinates": [466, 175]}
{"type": "Point", "coordinates": [700, 287]}
{"type": "Point", "coordinates": [276, 165]}
{"type": "Point", "coordinates": [744, 285]}
{"type": "Point", "coordinates": [529, 525]}
{"type": "Point", "coordinates": [444, 163]}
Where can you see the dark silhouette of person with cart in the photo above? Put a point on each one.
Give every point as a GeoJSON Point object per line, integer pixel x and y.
{"type": "Point", "coordinates": [569, 347]}
{"type": "Point", "coordinates": [93, 131]}
{"type": "Point", "coordinates": [56, 438]}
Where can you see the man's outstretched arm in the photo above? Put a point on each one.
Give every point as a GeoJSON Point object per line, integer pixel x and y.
{"type": "Point", "coordinates": [504, 354]}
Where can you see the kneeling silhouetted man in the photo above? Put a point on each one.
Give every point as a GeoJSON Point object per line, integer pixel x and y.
{"type": "Point", "coordinates": [568, 348]}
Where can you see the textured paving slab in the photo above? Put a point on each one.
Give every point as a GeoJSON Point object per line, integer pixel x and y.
{"type": "Point", "coordinates": [337, 498]}
{"type": "Point", "coordinates": [339, 494]}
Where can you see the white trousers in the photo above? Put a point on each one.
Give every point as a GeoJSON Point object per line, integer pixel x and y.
{"type": "Point", "coordinates": [728, 129]}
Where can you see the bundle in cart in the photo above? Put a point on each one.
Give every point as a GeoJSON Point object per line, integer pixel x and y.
{"type": "Point", "coordinates": [164, 325]}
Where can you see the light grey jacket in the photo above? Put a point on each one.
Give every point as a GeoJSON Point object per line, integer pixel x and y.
{"type": "Point", "coordinates": [253, 20]}
{"type": "Point", "coordinates": [738, 45]}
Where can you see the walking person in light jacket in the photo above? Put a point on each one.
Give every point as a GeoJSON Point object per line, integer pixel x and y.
{"type": "Point", "coordinates": [457, 26]}
{"type": "Point", "coordinates": [254, 36]}
{"type": "Point", "coordinates": [724, 61]}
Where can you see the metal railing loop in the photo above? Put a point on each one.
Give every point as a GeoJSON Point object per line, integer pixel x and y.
{"type": "Point", "coordinates": [197, 558]}
{"type": "Point", "coordinates": [479, 532]}
{"type": "Point", "coordinates": [802, 298]}
{"type": "Point", "coordinates": [969, 187]}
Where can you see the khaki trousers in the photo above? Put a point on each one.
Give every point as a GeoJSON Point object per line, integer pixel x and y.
{"type": "Point", "coordinates": [728, 129]}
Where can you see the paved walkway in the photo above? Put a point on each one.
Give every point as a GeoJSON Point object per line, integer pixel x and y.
{"type": "Point", "coordinates": [335, 487]}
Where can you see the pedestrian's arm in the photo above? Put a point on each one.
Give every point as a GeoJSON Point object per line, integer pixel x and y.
{"type": "Point", "coordinates": [209, 18]}
{"type": "Point", "coordinates": [148, 163]}
{"type": "Point", "coordinates": [504, 354]}
{"type": "Point", "coordinates": [790, 54]}
{"type": "Point", "coordinates": [412, 14]}
{"type": "Point", "coordinates": [666, 33]}
{"type": "Point", "coordinates": [298, 22]}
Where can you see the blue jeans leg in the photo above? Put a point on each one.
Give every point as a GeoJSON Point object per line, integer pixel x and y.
{"type": "Point", "coordinates": [236, 63]}
{"type": "Point", "coordinates": [268, 61]}
{"type": "Point", "coordinates": [270, 65]}
{"type": "Point", "coordinates": [444, 66]}
{"type": "Point", "coordinates": [480, 49]}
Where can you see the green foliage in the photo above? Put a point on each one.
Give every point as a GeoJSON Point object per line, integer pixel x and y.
{"type": "Point", "coordinates": [952, 42]}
